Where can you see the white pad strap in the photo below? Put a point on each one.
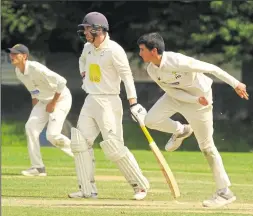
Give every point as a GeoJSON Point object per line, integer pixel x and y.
{"type": "Point", "coordinates": [92, 174]}
{"type": "Point", "coordinates": [116, 151]}
{"type": "Point", "coordinates": [83, 161]}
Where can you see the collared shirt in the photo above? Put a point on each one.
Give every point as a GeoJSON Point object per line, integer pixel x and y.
{"type": "Point", "coordinates": [104, 69]}
{"type": "Point", "coordinates": [183, 77]}
{"type": "Point", "coordinates": [40, 81]}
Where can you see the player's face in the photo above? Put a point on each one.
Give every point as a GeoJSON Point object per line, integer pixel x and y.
{"type": "Point", "coordinates": [145, 53]}
{"type": "Point", "coordinates": [87, 34]}
{"type": "Point", "coordinates": [17, 58]}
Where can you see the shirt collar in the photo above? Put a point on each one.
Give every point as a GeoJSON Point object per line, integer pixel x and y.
{"type": "Point", "coordinates": [26, 69]}
{"type": "Point", "coordinates": [162, 61]}
{"type": "Point", "coordinates": [104, 44]}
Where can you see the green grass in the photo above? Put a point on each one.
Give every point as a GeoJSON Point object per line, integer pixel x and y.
{"type": "Point", "coordinates": [227, 137]}
{"type": "Point", "coordinates": [34, 196]}
{"type": "Point", "coordinates": [13, 133]}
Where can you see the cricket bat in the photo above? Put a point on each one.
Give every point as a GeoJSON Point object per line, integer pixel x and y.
{"type": "Point", "coordinates": [163, 163]}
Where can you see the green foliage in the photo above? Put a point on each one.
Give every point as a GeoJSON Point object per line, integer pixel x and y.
{"type": "Point", "coordinates": [193, 27]}
{"type": "Point", "coordinates": [26, 20]}
{"type": "Point", "coordinates": [228, 29]}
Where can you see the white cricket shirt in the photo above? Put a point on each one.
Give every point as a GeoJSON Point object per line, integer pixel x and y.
{"type": "Point", "coordinates": [41, 82]}
{"type": "Point", "coordinates": [104, 69]}
{"type": "Point", "coordinates": [183, 77]}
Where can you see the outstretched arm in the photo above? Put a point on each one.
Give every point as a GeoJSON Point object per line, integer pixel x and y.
{"type": "Point", "coordinates": [188, 64]}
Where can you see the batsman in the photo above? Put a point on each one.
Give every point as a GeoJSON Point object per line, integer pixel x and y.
{"type": "Point", "coordinates": [188, 92]}
{"type": "Point", "coordinates": [103, 64]}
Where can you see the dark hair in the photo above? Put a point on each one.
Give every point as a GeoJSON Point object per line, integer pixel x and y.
{"type": "Point", "coordinates": [151, 41]}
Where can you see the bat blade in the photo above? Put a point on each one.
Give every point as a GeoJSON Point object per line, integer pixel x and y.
{"type": "Point", "coordinates": [169, 176]}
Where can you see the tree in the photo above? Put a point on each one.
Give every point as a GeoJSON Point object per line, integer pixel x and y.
{"type": "Point", "coordinates": [26, 22]}
{"type": "Point", "coordinates": [227, 29]}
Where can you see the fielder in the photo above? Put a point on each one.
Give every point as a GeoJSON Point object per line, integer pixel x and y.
{"type": "Point", "coordinates": [51, 101]}
{"type": "Point", "coordinates": [103, 64]}
{"type": "Point", "coordinates": [187, 91]}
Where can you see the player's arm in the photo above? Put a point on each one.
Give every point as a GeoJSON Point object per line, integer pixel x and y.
{"type": "Point", "coordinates": [122, 66]}
{"type": "Point", "coordinates": [34, 99]}
{"type": "Point", "coordinates": [82, 61]}
{"type": "Point", "coordinates": [189, 64]}
{"type": "Point", "coordinates": [52, 79]}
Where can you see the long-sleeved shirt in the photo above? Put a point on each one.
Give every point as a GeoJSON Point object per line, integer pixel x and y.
{"type": "Point", "coordinates": [183, 77]}
{"type": "Point", "coordinates": [41, 82]}
{"type": "Point", "coordinates": [104, 69]}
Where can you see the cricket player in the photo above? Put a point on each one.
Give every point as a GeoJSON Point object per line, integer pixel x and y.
{"type": "Point", "coordinates": [103, 64]}
{"type": "Point", "coordinates": [188, 92]}
{"type": "Point", "coordinates": [51, 101]}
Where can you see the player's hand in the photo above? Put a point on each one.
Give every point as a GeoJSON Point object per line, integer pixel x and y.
{"type": "Point", "coordinates": [83, 74]}
{"type": "Point", "coordinates": [34, 101]}
{"type": "Point", "coordinates": [138, 113]}
{"type": "Point", "coordinates": [203, 101]}
{"type": "Point", "coordinates": [50, 107]}
{"type": "Point", "coordinates": [241, 91]}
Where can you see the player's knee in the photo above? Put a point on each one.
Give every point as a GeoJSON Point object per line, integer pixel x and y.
{"type": "Point", "coordinates": [114, 149]}
{"type": "Point", "coordinates": [30, 125]}
{"type": "Point", "coordinates": [51, 137]}
{"type": "Point", "coordinates": [209, 151]}
{"type": "Point", "coordinates": [149, 121]}
{"type": "Point", "coordinates": [78, 142]}
{"type": "Point", "coordinates": [206, 144]}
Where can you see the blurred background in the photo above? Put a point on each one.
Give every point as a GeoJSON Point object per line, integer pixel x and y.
{"type": "Point", "coordinates": [217, 32]}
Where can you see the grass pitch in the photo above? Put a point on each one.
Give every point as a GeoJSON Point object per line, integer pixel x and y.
{"type": "Point", "coordinates": [42, 196]}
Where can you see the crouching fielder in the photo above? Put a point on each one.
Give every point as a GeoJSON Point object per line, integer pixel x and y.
{"type": "Point", "coordinates": [51, 103]}
{"type": "Point", "coordinates": [187, 91]}
{"type": "Point", "coordinates": [103, 63]}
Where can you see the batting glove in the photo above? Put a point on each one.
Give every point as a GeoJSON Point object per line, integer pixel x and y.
{"type": "Point", "coordinates": [138, 113]}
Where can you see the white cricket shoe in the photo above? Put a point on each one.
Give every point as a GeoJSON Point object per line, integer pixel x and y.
{"type": "Point", "coordinates": [220, 198]}
{"type": "Point", "coordinates": [34, 172]}
{"type": "Point", "coordinates": [140, 194]}
{"type": "Point", "coordinates": [176, 139]}
{"type": "Point", "coordinates": [79, 194]}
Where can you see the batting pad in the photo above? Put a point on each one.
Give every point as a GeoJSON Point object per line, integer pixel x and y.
{"type": "Point", "coordinates": [83, 161]}
{"type": "Point", "coordinates": [116, 151]}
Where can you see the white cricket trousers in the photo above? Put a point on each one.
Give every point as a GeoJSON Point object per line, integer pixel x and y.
{"type": "Point", "coordinates": [101, 113]}
{"type": "Point", "coordinates": [201, 120]}
{"type": "Point", "coordinates": [37, 121]}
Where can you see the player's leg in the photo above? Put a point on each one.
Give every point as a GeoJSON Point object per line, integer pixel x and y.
{"type": "Point", "coordinates": [158, 118]}
{"type": "Point", "coordinates": [201, 121]}
{"type": "Point", "coordinates": [89, 130]}
{"type": "Point", "coordinates": [55, 124]}
{"type": "Point", "coordinates": [83, 163]}
{"type": "Point", "coordinates": [35, 124]}
{"type": "Point", "coordinates": [110, 124]}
